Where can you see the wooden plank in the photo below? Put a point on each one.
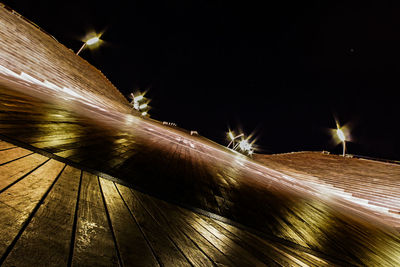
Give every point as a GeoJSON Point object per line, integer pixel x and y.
{"type": "Point", "coordinates": [165, 250]}
{"type": "Point", "coordinates": [192, 252]}
{"type": "Point", "coordinates": [5, 145]}
{"type": "Point", "coordinates": [133, 248]}
{"type": "Point", "coordinates": [18, 201]}
{"type": "Point", "coordinates": [12, 154]}
{"type": "Point", "coordinates": [94, 244]}
{"type": "Point", "coordinates": [90, 191]}
{"type": "Point", "coordinates": [47, 238]}
{"type": "Point", "coordinates": [12, 171]}
{"type": "Point", "coordinates": [174, 218]}
{"type": "Point", "coordinates": [265, 251]}
{"type": "Point", "coordinates": [233, 251]}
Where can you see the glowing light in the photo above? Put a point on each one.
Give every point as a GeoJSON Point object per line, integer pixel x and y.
{"type": "Point", "coordinates": [341, 135]}
{"type": "Point", "coordinates": [144, 113]}
{"type": "Point", "coordinates": [244, 145]}
{"type": "Point", "coordinates": [231, 135]}
{"type": "Point", "coordinates": [142, 106]}
{"type": "Point", "coordinates": [92, 40]}
{"type": "Point", "coordinates": [129, 118]}
{"type": "Point", "coordinates": [138, 98]}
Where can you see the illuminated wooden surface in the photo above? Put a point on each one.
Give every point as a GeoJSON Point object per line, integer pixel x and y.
{"type": "Point", "coordinates": [54, 214]}
{"type": "Point", "coordinates": [271, 210]}
{"type": "Point", "coordinates": [377, 184]}
{"type": "Point", "coordinates": [27, 49]}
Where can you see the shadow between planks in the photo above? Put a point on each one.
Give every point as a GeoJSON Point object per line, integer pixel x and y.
{"type": "Point", "coordinates": [56, 215]}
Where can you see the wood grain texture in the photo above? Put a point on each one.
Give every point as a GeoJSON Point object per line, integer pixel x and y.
{"type": "Point", "coordinates": [188, 247]}
{"type": "Point", "coordinates": [165, 249]}
{"type": "Point", "coordinates": [94, 245]}
{"type": "Point", "coordinates": [133, 248]}
{"type": "Point", "coordinates": [12, 154]}
{"type": "Point", "coordinates": [18, 201]}
{"type": "Point", "coordinates": [46, 240]}
{"type": "Point", "coordinates": [12, 171]}
{"type": "Point", "coordinates": [177, 220]}
{"type": "Point", "coordinates": [5, 145]}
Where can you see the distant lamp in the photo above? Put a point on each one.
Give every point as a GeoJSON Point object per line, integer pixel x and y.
{"type": "Point", "coordinates": [93, 40]}
{"type": "Point", "coordinates": [244, 145]}
{"type": "Point", "coordinates": [89, 42]}
{"type": "Point", "coordinates": [140, 103]}
{"type": "Point", "coordinates": [143, 106]}
{"type": "Point", "coordinates": [138, 98]}
{"type": "Point", "coordinates": [233, 138]}
{"type": "Point", "coordinates": [340, 134]}
{"type": "Point", "coordinates": [231, 135]}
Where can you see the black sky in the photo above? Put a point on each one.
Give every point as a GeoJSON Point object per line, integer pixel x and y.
{"type": "Point", "coordinates": [282, 69]}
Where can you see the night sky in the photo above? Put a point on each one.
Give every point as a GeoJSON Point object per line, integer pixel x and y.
{"type": "Point", "coordinates": [281, 70]}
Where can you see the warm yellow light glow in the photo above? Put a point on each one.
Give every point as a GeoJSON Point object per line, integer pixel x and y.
{"type": "Point", "coordinates": [231, 136]}
{"type": "Point", "coordinates": [92, 40]}
{"type": "Point", "coordinates": [144, 113]}
{"type": "Point", "coordinates": [341, 135]}
{"type": "Point", "coordinates": [244, 145]}
{"type": "Point", "coordinates": [142, 106]}
{"type": "Point", "coordinates": [138, 98]}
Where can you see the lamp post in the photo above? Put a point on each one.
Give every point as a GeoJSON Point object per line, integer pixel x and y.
{"type": "Point", "coordinates": [244, 145]}
{"type": "Point", "coordinates": [89, 42]}
{"type": "Point", "coordinates": [342, 138]}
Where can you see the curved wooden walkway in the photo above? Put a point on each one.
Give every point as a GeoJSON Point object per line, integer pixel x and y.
{"type": "Point", "coordinates": [53, 214]}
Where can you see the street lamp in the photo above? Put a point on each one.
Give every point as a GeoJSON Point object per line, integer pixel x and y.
{"type": "Point", "coordinates": [230, 134]}
{"type": "Point", "coordinates": [244, 145]}
{"type": "Point", "coordinates": [143, 106]}
{"type": "Point", "coordinates": [89, 42]}
{"type": "Point", "coordinates": [137, 103]}
{"type": "Point", "coordinates": [342, 137]}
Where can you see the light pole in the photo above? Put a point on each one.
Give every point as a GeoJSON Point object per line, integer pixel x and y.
{"type": "Point", "coordinates": [342, 138]}
{"type": "Point", "coordinates": [89, 42]}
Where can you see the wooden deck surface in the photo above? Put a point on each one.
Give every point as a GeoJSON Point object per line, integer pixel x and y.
{"type": "Point", "coordinates": [374, 183]}
{"type": "Point", "coordinates": [53, 214]}
{"type": "Point", "coordinates": [62, 207]}
{"type": "Point", "coordinates": [174, 167]}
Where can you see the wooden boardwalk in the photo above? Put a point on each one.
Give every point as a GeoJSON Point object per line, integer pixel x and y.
{"type": "Point", "coordinates": [53, 214]}
{"type": "Point", "coordinates": [179, 199]}
{"type": "Point", "coordinates": [179, 169]}
{"type": "Point", "coordinates": [51, 64]}
{"type": "Point", "coordinates": [374, 184]}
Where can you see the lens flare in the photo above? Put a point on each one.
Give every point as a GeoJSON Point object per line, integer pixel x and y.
{"type": "Point", "coordinates": [341, 135]}
{"type": "Point", "coordinates": [93, 40]}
